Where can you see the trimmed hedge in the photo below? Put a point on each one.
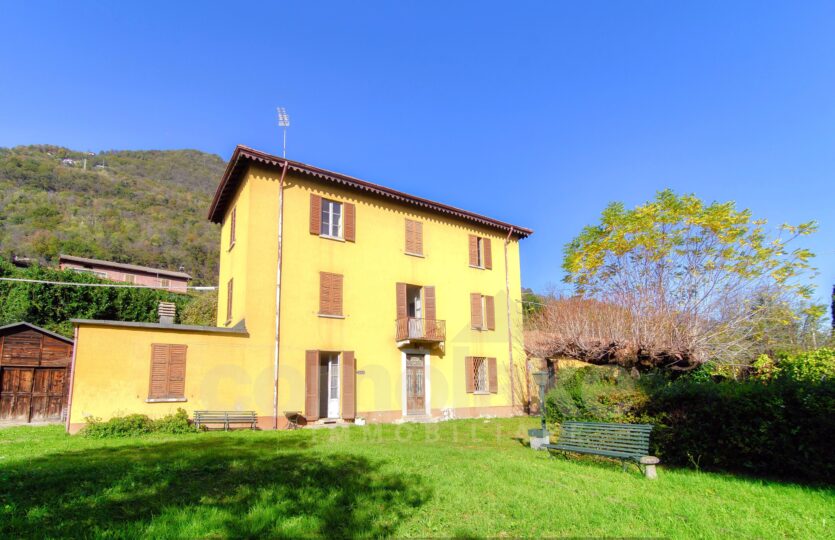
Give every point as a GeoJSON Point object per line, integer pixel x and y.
{"type": "Point", "coordinates": [778, 421]}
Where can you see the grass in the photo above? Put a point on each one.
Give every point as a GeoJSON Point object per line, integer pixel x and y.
{"type": "Point", "coordinates": [468, 478]}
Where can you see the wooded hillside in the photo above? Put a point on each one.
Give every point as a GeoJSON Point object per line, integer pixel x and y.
{"type": "Point", "coordinates": [140, 207]}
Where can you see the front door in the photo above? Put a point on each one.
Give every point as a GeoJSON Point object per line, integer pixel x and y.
{"type": "Point", "coordinates": [333, 386]}
{"type": "Point", "coordinates": [415, 384]}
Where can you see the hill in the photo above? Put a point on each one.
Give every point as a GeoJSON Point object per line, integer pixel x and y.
{"type": "Point", "coordinates": [141, 207]}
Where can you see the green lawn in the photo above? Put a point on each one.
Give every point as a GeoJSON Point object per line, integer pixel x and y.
{"type": "Point", "coordinates": [468, 478]}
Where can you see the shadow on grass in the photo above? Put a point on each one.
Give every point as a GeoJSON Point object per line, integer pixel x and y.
{"type": "Point", "coordinates": [205, 487]}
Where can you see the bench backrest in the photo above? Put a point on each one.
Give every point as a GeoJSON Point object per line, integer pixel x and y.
{"type": "Point", "coordinates": [617, 439]}
{"type": "Point", "coordinates": [223, 415]}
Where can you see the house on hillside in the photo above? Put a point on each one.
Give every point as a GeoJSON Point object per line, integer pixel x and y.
{"type": "Point", "coordinates": [34, 365]}
{"type": "Point", "coordinates": [339, 299]}
{"type": "Point", "coordinates": [127, 273]}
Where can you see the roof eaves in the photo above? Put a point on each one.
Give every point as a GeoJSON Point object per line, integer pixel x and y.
{"type": "Point", "coordinates": [243, 152]}
{"type": "Point", "coordinates": [238, 329]}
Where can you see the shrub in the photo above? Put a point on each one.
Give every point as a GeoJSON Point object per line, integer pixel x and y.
{"type": "Point", "coordinates": [119, 426]}
{"type": "Point", "coordinates": [596, 394]}
{"type": "Point", "coordinates": [175, 423]}
{"type": "Point", "coordinates": [779, 427]}
{"type": "Point", "coordinates": [138, 424]}
{"type": "Point", "coordinates": [777, 421]}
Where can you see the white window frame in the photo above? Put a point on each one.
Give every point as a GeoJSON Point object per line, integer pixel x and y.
{"type": "Point", "coordinates": [326, 226]}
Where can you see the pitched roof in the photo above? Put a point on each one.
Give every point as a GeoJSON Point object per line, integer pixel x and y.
{"type": "Point", "coordinates": [37, 329]}
{"type": "Point", "coordinates": [123, 266]}
{"type": "Point", "coordinates": [243, 156]}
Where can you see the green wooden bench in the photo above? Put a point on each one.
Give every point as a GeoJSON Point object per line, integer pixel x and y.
{"type": "Point", "coordinates": [626, 442]}
{"type": "Point", "coordinates": [225, 418]}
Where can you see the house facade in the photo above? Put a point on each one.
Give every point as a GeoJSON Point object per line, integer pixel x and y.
{"type": "Point", "coordinates": [338, 299]}
{"type": "Point", "coordinates": [133, 274]}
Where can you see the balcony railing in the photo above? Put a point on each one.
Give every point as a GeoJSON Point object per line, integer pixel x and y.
{"type": "Point", "coordinates": [412, 329]}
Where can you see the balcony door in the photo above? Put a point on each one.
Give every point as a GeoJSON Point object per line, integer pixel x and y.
{"type": "Point", "coordinates": [413, 295]}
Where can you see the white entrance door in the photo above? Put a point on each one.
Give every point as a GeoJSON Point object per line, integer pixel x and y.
{"type": "Point", "coordinates": [333, 386]}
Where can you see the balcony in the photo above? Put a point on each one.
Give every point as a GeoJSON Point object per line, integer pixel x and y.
{"type": "Point", "coordinates": [414, 331]}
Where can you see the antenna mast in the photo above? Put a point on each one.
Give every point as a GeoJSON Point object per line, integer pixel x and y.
{"type": "Point", "coordinates": [283, 122]}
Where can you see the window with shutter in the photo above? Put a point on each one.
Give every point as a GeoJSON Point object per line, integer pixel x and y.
{"type": "Point", "coordinates": [481, 252]}
{"type": "Point", "coordinates": [168, 372]}
{"type": "Point", "coordinates": [330, 294]}
{"type": "Point", "coordinates": [482, 312]}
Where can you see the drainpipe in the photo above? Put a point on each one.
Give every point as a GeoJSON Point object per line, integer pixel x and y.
{"type": "Point", "coordinates": [509, 330]}
{"type": "Point", "coordinates": [72, 375]}
{"type": "Point", "coordinates": [278, 294]}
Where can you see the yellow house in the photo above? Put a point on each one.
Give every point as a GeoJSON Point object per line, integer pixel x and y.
{"type": "Point", "coordinates": [339, 299]}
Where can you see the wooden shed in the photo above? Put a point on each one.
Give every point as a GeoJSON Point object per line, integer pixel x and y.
{"type": "Point", "coordinates": [34, 374]}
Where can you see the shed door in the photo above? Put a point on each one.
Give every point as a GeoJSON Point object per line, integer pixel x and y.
{"type": "Point", "coordinates": [47, 394]}
{"type": "Point", "coordinates": [32, 394]}
{"type": "Point", "coordinates": [16, 393]}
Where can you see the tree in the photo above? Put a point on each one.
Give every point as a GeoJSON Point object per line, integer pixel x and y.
{"type": "Point", "coordinates": [687, 281]}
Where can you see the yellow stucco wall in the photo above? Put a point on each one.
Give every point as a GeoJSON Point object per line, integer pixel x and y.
{"type": "Point", "coordinates": [111, 372]}
{"type": "Point", "coordinates": [234, 372]}
{"type": "Point", "coordinates": [371, 267]}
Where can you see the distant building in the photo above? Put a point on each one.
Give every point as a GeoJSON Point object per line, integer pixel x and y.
{"type": "Point", "coordinates": [68, 161]}
{"type": "Point", "coordinates": [128, 273]}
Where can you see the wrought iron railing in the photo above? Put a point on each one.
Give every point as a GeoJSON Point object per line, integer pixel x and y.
{"type": "Point", "coordinates": [420, 329]}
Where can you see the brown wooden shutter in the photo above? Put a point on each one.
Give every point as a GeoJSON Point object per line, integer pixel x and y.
{"type": "Point", "coordinates": [490, 312]}
{"type": "Point", "coordinates": [488, 254]}
{"type": "Point", "coordinates": [330, 293]}
{"type": "Point", "coordinates": [311, 386]}
{"type": "Point", "coordinates": [229, 301]}
{"type": "Point", "coordinates": [429, 303]}
{"type": "Point", "coordinates": [476, 319]}
{"type": "Point", "coordinates": [232, 227]}
{"type": "Point", "coordinates": [414, 237]}
{"type": "Point", "coordinates": [401, 301]}
{"type": "Point", "coordinates": [418, 235]}
{"type": "Point", "coordinates": [469, 374]}
{"type": "Point", "coordinates": [473, 250]}
{"type": "Point", "coordinates": [315, 214]}
{"type": "Point", "coordinates": [159, 371]}
{"type": "Point", "coordinates": [177, 371]}
{"type": "Point", "coordinates": [350, 218]}
{"type": "Point", "coordinates": [492, 375]}
{"type": "Point", "coordinates": [349, 384]}
{"type": "Point", "coordinates": [168, 371]}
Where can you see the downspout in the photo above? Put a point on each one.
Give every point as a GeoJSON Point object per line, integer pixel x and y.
{"type": "Point", "coordinates": [278, 294]}
{"type": "Point", "coordinates": [72, 375]}
{"type": "Point", "coordinates": [509, 330]}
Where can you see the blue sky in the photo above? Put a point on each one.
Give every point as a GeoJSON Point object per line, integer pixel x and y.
{"type": "Point", "coordinates": [557, 107]}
